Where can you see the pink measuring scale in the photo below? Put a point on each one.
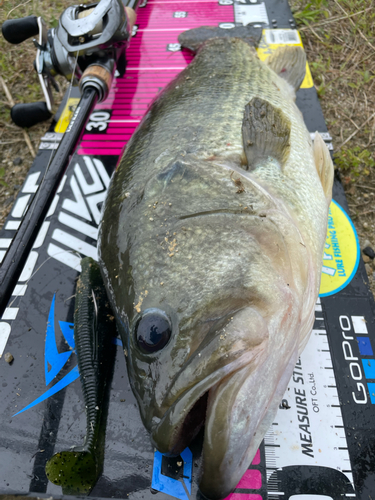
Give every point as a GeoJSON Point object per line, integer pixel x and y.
{"type": "Point", "coordinates": [154, 58]}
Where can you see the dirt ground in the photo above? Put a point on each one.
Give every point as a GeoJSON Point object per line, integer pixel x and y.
{"type": "Point", "coordinates": [339, 39]}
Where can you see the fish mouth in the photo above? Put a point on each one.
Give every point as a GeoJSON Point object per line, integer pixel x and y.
{"type": "Point", "coordinates": [215, 398]}
{"type": "Point", "coordinates": [191, 425]}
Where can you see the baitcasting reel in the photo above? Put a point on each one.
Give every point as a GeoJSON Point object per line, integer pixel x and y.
{"type": "Point", "coordinates": [86, 48]}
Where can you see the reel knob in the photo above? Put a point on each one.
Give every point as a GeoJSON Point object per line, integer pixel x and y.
{"type": "Point", "coordinates": [18, 30]}
{"type": "Point", "coordinates": [27, 115]}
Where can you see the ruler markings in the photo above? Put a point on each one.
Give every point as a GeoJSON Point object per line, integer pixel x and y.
{"type": "Point", "coordinates": [312, 390]}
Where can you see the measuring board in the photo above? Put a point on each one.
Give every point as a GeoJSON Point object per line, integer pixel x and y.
{"type": "Point", "coordinates": [322, 442]}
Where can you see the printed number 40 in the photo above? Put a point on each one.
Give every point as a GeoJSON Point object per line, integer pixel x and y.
{"type": "Point", "coordinates": [98, 121]}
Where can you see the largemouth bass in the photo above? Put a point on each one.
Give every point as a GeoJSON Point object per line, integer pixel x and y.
{"type": "Point", "coordinates": [211, 248]}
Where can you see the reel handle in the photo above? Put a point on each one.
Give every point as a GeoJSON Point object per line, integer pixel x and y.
{"type": "Point", "coordinates": [18, 30]}
{"type": "Point", "coordinates": [27, 115]}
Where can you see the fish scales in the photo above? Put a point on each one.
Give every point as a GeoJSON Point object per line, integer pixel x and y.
{"type": "Point", "coordinates": [226, 253]}
{"type": "Point", "coordinates": [207, 87]}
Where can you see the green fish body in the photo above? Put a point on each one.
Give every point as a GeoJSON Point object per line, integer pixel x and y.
{"type": "Point", "coordinates": [211, 241]}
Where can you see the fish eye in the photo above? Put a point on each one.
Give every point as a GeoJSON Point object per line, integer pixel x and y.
{"type": "Point", "coordinates": [153, 331]}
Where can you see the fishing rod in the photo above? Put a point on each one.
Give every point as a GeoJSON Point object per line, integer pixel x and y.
{"type": "Point", "coordinates": [87, 47]}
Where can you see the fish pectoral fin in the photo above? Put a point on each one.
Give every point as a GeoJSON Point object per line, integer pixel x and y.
{"type": "Point", "coordinates": [265, 133]}
{"type": "Point", "coordinates": [324, 165]}
{"type": "Point", "coordinates": [289, 62]}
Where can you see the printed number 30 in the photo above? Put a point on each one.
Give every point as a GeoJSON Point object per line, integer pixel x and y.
{"type": "Point", "coordinates": [99, 121]}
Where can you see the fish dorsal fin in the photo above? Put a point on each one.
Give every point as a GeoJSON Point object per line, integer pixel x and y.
{"type": "Point", "coordinates": [195, 38]}
{"type": "Point", "coordinates": [324, 165]}
{"type": "Point", "coordinates": [265, 133]}
{"type": "Point", "coordinates": [289, 62]}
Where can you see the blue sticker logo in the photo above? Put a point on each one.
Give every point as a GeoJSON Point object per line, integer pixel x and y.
{"type": "Point", "coordinates": [54, 361]}
{"type": "Point", "coordinates": [174, 487]}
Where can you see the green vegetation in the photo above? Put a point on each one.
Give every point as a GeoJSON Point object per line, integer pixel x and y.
{"type": "Point", "coordinates": [355, 160]}
{"type": "Point", "coordinates": [311, 12]}
{"type": "Point", "coordinates": [2, 174]}
{"type": "Point", "coordinates": [339, 41]}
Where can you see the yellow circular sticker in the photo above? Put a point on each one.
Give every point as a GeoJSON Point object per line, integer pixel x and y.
{"type": "Point", "coordinates": [341, 252]}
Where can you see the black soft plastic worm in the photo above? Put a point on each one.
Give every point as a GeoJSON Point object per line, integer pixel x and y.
{"type": "Point", "coordinates": [78, 469]}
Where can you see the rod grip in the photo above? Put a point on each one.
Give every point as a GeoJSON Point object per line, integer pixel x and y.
{"type": "Point", "coordinates": [18, 30]}
{"type": "Point", "coordinates": [98, 76]}
{"type": "Point", "coordinates": [27, 115]}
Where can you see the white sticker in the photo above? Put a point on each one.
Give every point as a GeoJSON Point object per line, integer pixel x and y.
{"type": "Point", "coordinates": [20, 206]}
{"type": "Point", "coordinates": [4, 335]}
{"type": "Point", "coordinates": [5, 242]}
{"type": "Point", "coordinates": [359, 324]}
{"type": "Point", "coordinates": [42, 234]}
{"type": "Point", "coordinates": [10, 313]}
{"type": "Point", "coordinates": [180, 14]}
{"type": "Point", "coordinates": [48, 145]}
{"type": "Point", "coordinates": [12, 225]}
{"type": "Point", "coordinates": [66, 257]}
{"type": "Point", "coordinates": [227, 26]}
{"type": "Point", "coordinates": [78, 225]}
{"type": "Point", "coordinates": [31, 185]}
{"type": "Point", "coordinates": [173, 47]}
{"type": "Point", "coordinates": [288, 37]}
{"type": "Point", "coordinates": [75, 244]}
{"type": "Point", "coordinates": [246, 14]}
{"type": "Point", "coordinates": [324, 135]}
{"type": "Point", "coordinates": [28, 269]}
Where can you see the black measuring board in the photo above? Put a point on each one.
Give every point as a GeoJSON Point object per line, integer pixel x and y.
{"type": "Point", "coordinates": [320, 444]}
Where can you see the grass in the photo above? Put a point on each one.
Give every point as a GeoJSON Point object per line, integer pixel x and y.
{"type": "Point", "coordinates": [356, 161]}
{"type": "Point", "coordinates": [339, 39]}
{"type": "Point", "coordinates": [311, 12]}
{"type": "Point", "coordinates": [2, 174]}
